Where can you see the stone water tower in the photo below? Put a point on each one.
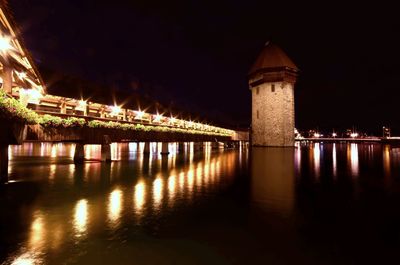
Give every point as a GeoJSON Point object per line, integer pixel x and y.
{"type": "Point", "coordinates": [271, 81]}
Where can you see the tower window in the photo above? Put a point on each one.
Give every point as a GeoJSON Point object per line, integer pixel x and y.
{"type": "Point", "coordinates": [273, 88]}
{"type": "Point", "coordinates": [258, 114]}
{"type": "Point", "coordinates": [257, 90]}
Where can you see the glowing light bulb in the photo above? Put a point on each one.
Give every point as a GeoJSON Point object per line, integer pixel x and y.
{"type": "Point", "coordinates": [5, 44]}
{"type": "Point", "coordinates": [115, 110]}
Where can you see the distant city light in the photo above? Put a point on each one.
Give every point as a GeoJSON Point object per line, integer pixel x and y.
{"type": "Point", "coordinates": [334, 134]}
{"type": "Point", "coordinates": [172, 120]}
{"type": "Point", "coordinates": [354, 135]}
{"type": "Point", "coordinates": [317, 135]}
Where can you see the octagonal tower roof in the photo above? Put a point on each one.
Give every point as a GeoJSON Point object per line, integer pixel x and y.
{"type": "Point", "coordinates": [272, 58]}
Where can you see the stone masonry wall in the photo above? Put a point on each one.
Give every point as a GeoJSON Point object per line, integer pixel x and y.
{"type": "Point", "coordinates": [273, 114]}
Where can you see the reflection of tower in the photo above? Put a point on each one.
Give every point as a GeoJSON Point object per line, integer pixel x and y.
{"type": "Point", "coordinates": [272, 179]}
{"type": "Point", "coordinates": [271, 81]}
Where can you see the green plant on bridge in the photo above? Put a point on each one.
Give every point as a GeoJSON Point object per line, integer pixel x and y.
{"type": "Point", "coordinates": [54, 121]}
{"type": "Point", "coordinates": [150, 128]}
{"type": "Point", "coordinates": [73, 122]}
{"type": "Point", "coordinates": [50, 121]}
{"type": "Point", "coordinates": [12, 109]}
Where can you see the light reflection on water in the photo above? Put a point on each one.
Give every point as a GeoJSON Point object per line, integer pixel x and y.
{"type": "Point", "coordinates": [115, 207]}
{"type": "Point", "coordinates": [81, 217]}
{"type": "Point", "coordinates": [150, 180]}
{"type": "Point", "coordinates": [77, 203]}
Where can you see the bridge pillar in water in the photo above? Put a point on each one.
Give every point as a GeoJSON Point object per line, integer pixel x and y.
{"type": "Point", "coordinates": [3, 163]}
{"type": "Point", "coordinates": [146, 148]}
{"type": "Point", "coordinates": [271, 81]}
{"type": "Point", "coordinates": [181, 147]}
{"type": "Point", "coordinates": [164, 148]}
{"type": "Point", "coordinates": [197, 146]}
{"type": "Point", "coordinates": [79, 155]}
{"type": "Point", "coordinates": [215, 145]}
{"type": "Point", "coordinates": [106, 152]}
{"type": "Point", "coordinates": [106, 149]}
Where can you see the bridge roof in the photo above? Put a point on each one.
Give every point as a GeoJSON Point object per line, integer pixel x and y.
{"type": "Point", "coordinates": [272, 57]}
{"type": "Point", "coordinates": [20, 59]}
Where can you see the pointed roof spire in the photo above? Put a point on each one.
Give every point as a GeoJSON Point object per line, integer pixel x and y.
{"type": "Point", "coordinates": [272, 57]}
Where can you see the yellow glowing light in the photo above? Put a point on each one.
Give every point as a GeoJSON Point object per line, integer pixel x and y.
{"type": "Point", "coordinates": [157, 118]}
{"type": "Point", "coordinates": [157, 190]}
{"type": "Point", "coordinates": [181, 180]}
{"type": "Point", "coordinates": [317, 135]}
{"type": "Point", "coordinates": [334, 134]}
{"type": "Point", "coordinates": [81, 216]}
{"type": "Point", "coordinates": [171, 184]}
{"type": "Point", "coordinates": [5, 43]}
{"type": "Point", "coordinates": [21, 75]}
{"type": "Point", "coordinates": [353, 159]}
{"type": "Point", "coordinates": [114, 207]}
{"type": "Point", "coordinates": [317, 158]}
{"type": "Point", "coordinates": [172, 120]}
{"type": "Point", "coordinates": [81, 105]}
{"type": "Point", "coordinates": [139, 195]}
{"type": "Point", "coordinates": [115, 110]}
{"type": "Point", "coordinates": [190, 179]}
{"type": "Point", "coordinates": [30, 96]}
{"type": "Point", "coordinates": [199, 173]}
{"type": "Point", "coordinates": [334, 163]}
{"type": "Point", "coordinates": [37, 234]}
{"type": "Point", "coordinates": [54, 150]}
{"type": "Point", "coordinates": [26, 259]}
{"type": "Point", "coordinates": [354, 135]}
{"type": "Point", "coordinates": [139, 114]}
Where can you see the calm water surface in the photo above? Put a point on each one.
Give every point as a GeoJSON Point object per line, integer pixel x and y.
{"type": "Point", "coordinates": [314, 204]}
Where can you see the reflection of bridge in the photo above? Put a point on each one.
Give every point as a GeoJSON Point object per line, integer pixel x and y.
{"type": "Point", "coordinates": [30, 114]}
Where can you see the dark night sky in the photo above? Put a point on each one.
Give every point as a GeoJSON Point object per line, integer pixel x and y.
{"type": "Point", "coordinates": [197, 53]}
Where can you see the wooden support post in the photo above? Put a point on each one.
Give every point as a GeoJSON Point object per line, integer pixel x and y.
{"type": "Point", "coordinates": [7, 78]}
{"type": "Point", "coordinates": [164, 148]}
{"type": "Point", "coordinates": [3, 163]}
{"type": "Point", "coordinates": [79, 155]}
{"type": "Point", "coordinates": [146, 148]}
{"type": "Point", "coordinates": [87, 110]}
{"type": "Point", "coordinates": [63, 108]}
